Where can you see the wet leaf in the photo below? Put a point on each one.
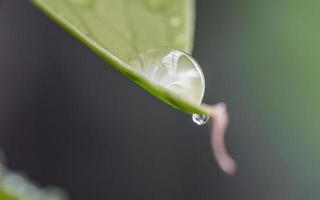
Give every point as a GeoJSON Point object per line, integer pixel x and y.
{"type": "Point", "coordinates": [121, 30]}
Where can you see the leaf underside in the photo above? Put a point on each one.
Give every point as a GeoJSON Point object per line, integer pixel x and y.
{"type": "Point", "coordinates": [118, 30]}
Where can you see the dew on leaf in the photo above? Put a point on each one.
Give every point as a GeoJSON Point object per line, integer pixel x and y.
{"type": "Point", "coordinates": [200, 119]}
{"type": "Point", "coordinates": [173, 70]}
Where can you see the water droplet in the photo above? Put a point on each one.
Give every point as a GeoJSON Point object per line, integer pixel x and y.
{"type": "Point", "coordinates": [83, 3]}
{"type": "Point", "coordinates": [156, 4]}
{"type": "Point", "coordinates": [173, 70]}
{"type": "Point", "coordinates": [174, 21]}
{"type": "Point", "coordinates": [200, 119]}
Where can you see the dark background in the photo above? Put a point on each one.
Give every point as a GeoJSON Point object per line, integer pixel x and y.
{"type": "Point", "coordinates": [69, 119]}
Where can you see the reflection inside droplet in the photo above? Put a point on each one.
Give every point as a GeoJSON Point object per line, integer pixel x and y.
{"type": "Point", "coordinates": [200, 119]}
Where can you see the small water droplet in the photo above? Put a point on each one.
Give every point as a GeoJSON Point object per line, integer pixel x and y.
{"type": "Point", "coordinates": [83, 3]}
{"type": "Point", "coordinates": [174, 21]}
{"type": "Point", "coordinates": [156, 4]}
{"type": "Point", "coordinates": [200, 119]}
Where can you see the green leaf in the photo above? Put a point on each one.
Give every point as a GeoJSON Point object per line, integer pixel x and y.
{"type": "Point", "coordinates": [6, 196]}
{"type": "Point", "coordinates": [122, 31]}
{"type": "Point", "coordinates": [145, 40]}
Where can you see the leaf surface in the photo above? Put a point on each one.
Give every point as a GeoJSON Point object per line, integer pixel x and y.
{"type": "Point", "coordinates": [120, 30]}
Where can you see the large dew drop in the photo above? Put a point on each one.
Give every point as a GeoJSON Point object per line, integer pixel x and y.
{"type": "Point", "coordinates": [174, 70]}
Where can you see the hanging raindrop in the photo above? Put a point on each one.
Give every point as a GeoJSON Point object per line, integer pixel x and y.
{"type": "Point", "coordinates": [200, 119]}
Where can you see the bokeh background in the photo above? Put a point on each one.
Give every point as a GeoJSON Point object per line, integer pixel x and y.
{"type": "Point", "coordinates": [67, 118]}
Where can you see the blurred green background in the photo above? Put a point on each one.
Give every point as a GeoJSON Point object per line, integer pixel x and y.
{"type": "Point", "coordinates": [67, 119]}
{"type": "Point", "coordinates": [272, 52]}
